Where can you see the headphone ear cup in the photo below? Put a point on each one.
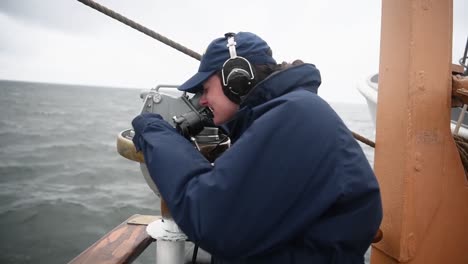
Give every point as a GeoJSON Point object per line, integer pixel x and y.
{"type": "Point", "coordinates": [230, 95]}
{"type": "Point", "coordinates": [238, 77]}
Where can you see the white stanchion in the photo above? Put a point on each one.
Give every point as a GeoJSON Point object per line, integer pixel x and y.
{"type": "Point", "coordinates": [170, 241]}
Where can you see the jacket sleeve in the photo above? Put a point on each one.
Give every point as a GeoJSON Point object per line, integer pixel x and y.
{"type": "Point", "coordinates": [277, 179]}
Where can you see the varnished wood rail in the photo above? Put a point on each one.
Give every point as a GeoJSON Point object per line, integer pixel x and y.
{"type": "Point", "coordinates": [128, 240]}
{"type": "Point", "coordinates": [121, 245]}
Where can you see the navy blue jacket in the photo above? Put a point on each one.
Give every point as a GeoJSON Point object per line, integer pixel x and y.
{"type": "Point", "coordinates": [295, 187]}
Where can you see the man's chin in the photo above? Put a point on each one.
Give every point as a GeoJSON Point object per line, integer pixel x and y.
{"type": "Point", "coordinates": [217, 121]}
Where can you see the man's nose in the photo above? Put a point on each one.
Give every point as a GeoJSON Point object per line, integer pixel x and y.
{"type": "Point", "coordinates": [203, 101]}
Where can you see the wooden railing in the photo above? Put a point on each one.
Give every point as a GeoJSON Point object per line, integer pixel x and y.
{"type": "Point", "coordinates": [121, 245]}
{"type": "Point", "coordinates": [127, 241]}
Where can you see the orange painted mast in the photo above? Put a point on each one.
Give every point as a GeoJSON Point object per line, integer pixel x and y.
{"type": "Point", "coordinates": [423, 183]}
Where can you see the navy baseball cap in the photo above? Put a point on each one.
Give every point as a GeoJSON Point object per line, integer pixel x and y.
{"type": "Point", "coordinates": [248, 45]}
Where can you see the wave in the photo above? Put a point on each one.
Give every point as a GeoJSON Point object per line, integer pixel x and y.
{"type": "Point", "coordinates": [56, 231]}
{"type": "Point", "coordinates": [66, 146]}
{"type": "Point", "coordinates": [9, 133]}
{"type": "Point", "coordinates": [89, 197]}
{"type": "Point", "coordinates": [16, 172]}
{"type": "Point", "coordinates": [50, 113]}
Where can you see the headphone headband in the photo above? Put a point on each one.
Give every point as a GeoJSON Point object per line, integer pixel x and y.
{"type": "Point", "coordinates": [231, 45]}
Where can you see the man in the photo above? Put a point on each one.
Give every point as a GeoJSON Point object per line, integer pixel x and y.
{"type": "Point", "coordinates": [295, 187]}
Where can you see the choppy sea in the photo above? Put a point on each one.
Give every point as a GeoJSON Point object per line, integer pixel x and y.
{"type": "Point", "coordinates": [62, 183]}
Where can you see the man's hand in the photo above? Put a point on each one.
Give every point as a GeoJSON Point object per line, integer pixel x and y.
{"type": "Point", "coordinates": [139, 123]}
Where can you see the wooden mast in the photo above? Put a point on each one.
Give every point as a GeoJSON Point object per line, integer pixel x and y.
{"type": "Point", "coordinates": [424, 188]}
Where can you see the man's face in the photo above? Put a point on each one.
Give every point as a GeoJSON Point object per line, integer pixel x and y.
{"type": "Point", "coordinates": [214, 98]}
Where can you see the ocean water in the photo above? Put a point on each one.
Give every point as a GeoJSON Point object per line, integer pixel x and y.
{"type": "Point", "coordinates": [62, 183]}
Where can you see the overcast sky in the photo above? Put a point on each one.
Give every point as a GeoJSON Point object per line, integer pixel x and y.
{"type": "Point", "coordinates": [67, 42]}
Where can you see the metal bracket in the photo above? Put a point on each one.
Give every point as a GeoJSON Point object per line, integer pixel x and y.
{"type": "Point", "coordinates": [165, 229]}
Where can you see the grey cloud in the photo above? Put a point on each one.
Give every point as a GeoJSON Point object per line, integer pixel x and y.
{"type": "Point", "coordinates": [62, 15]}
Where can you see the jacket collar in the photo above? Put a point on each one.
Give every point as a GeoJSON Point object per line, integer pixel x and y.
{"type": "Point", "coordinates": [304, 76]}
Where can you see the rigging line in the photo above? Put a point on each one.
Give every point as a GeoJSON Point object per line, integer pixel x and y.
{"type": "Point", "coordinates": [463, 59]}
{"type": "Point", "coordinates": [364, 140]}
{"type": "Point", "coordinates": [141, 28]}
{"type": "Point", "coordinates": [170, 43]}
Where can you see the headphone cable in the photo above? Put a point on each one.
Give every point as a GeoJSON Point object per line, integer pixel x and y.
{"type": "Point", "coordinates": [195, 253]}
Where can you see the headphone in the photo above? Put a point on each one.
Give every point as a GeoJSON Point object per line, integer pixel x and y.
{"type": "Point", "coordinates": [237, 74]}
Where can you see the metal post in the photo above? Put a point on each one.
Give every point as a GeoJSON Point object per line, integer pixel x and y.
{"type": "Point", "coordinates": [170, 240]}
{"type": "Point", "coordinates": [423, 184]}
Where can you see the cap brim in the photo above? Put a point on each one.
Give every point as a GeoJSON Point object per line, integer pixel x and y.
{"type": "Point", "coordinates": [194, 84]}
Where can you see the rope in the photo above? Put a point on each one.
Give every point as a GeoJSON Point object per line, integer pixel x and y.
{"type": "Point", "coordinates": [141, 28]}
{"type": "Point", "coordinates": [462, 145]}
{"type": "Point", "coordinates": [460, 119]}
{"type": "Point", "coordinates": [170, 43]}
{"type": "Point", "coordinates": [364, 140]}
